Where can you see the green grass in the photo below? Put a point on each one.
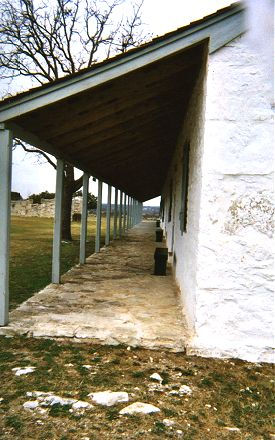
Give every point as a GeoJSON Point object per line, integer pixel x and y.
{"type": "Point", "coordinates": [59, 369]}
{"type": "Point", "coordinates": [31, 253]}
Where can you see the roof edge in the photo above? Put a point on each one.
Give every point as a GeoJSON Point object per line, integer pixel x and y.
{"type": "Point", "coordinates": [59, 86]}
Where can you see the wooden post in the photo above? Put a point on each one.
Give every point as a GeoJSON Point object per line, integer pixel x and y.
{"type": "Point", "coordinates": [56, 273]}
{"type": "Point", "coordinates": [120, 215]}
{"type": "Point", "coordinates": [135, 212]}
{"type": "Point", "coordinates": [125, 213]}
{"type": "Point", "coordinates": [108, 216]}
{"type": "Point", "coordinates": [131, 212]}
{"type": "Point", "coordinates": [115, 214]}
{"type": "Point", "coordinates": [84, 216]}
{"type": "Point", "coordinates": [128, 213]}
{"type": "Point", "coordinates": [98, 217]}
{"type": "Point", "coordinates": [5, 203]}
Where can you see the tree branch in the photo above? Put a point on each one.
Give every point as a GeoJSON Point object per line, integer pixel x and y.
{"type": "Point", "coordinates": [18, 142]}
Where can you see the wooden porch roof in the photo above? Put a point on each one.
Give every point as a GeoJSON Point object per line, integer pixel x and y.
{"type": "Point", "coordinates": [119, 121]}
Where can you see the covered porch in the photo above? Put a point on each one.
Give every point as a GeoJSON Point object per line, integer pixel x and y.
{"type": "Point", "coordinates": [120, 122]}
{"type": "Point", "coordinates": [113, 299]}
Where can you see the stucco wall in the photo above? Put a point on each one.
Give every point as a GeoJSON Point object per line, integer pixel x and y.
{"type": "Point", "coordinates": [224, 263]}
{"type": "Point", "coordinates": [234, 296]}
{"type": "Point", "coordinates": [185, 246]}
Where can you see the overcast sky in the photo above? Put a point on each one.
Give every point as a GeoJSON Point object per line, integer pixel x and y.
{"type": "Point", "coordinates": [160, 16]}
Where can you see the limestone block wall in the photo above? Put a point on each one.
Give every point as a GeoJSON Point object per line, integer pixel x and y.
{"type": "Point", "coordinates": [45, 209]}
{"type": "Point", "coordinates": [185, 246]}
{"type": "Point", "coordinates": [234, 295]}
{"type": "Point", "coordinates": [224, 262]}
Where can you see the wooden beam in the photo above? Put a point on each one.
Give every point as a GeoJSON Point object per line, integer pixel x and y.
{"type": "Point", "coordinates": [122, 93]}
{"type": "Point", "coordinates": [5, 203]}
{"type": "Point", "coordinates": [128, 96]}
{"type": "Point", "coordinates": [56, 269]}
{"type": "Point", "coordinates": [126, 124]}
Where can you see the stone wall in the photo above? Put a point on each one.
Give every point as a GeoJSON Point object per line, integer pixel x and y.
{"type": "Point", "coordinates": [234, 296]}
{"type": "Point", "coordinates": [185, 246]}
{"type": "Point", "coordinates": [224, 263]}
{"type": "Point", "coordinates": [46, 209]}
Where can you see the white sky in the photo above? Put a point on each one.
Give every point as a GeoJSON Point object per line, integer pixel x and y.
{"type": "Point", "coordinates": [160, 16]}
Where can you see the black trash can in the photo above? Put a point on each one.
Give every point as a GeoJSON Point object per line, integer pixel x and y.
{"type": "Point", "coordinates": [159, 234]}
{"type": "Point", "coordinates": [158, 223]}
{"type": "Point", "coordinates": [161, 257]}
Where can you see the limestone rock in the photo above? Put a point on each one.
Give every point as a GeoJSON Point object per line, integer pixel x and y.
{"type": "Point", "coordinates": [139, 408]}
{"type": "Point", "coordinates": [232, 429]}
{"type": "Point", "coordinates": [185, 389]}
{"type": "Point", "coordinates": [31, 404]}
{"type": "Point", "coordinates": [109, 398]}
{"type": "Point", "coordinates": [157, 377]}
{"type": "Point", "coordinates": [80, 404]}
{"type": "Point", "coordinates": [57, 400]}
{"type": "Point", "coordinates": [20, 371]}
{"type": "Point", "coordinates": [45, 399]}
{"type": "Point", "coordinates": [168, 422]}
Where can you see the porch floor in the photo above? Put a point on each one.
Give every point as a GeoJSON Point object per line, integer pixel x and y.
{"type": "Point", "coordinates": [113, 299]}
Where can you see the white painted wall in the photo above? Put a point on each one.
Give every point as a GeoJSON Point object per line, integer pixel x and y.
{"type": "Point", "coordinates": [234, 296]}
{"type": "Point", "coordinates": [224, 263]}
{"type": "Point", "coordinates": [185, 248]}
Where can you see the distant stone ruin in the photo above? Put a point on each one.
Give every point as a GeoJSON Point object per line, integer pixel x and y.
{"type": "Point", "coordinates": [26, 208]}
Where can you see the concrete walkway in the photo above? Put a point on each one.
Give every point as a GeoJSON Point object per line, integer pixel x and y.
{"type": "Point", "coordinates": [114, 298]}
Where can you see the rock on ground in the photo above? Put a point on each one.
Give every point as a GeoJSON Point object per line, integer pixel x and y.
{"type": "Point", "coordinates": [157, 377]}
{"type": "Point", "coordinates": [50, 399]}
{"type": "Point", "coordinates": [109, 398]}
{"type": "Point", "coordinates": [139, 408]}
{"type": "Point", "coordinates": [19, 371]}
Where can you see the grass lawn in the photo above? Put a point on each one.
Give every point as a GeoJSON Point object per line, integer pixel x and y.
{"type": "Point", "coordinates": [31, 251]}
{"type": "Point", "coordinates": [225, 393]}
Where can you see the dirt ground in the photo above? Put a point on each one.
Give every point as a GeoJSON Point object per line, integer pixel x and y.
{"type": "Point", "coordinates": [229, 399]}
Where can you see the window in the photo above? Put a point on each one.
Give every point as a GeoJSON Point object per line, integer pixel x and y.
{"type": "Point", "coordinates": [184, 187]}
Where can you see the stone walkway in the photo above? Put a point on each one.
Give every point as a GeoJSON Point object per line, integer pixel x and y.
{"type": "Point", "coordinates": [113, 299]}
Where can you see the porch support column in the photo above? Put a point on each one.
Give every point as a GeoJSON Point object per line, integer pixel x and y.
{"type": "Point", "coordinates": [120, 215]}
{"type": "Point", "coordinates": [125, 212]}
{"type": "Point", "coordinates": [136, 205]}
{"type": "Point", "coordinates": [5, 203]}
{"type": "Point", "coordinates": [84, 216]}
{"type": "Point", "coordinates": [135, 213]}
{"type": "Point", "coordinates": [98, 217]}
{"type": "Point", "coordinates": [128, 213]}
{"type": "Point", "coordinates": [57, 222]}
{"type": "Point", "coordinates": [108, 216]}
{"type": "Point", "coordinates": [115, 214]}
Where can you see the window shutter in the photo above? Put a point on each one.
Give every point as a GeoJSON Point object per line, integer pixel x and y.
{"type": "Point", "coordinates": [184, 188]}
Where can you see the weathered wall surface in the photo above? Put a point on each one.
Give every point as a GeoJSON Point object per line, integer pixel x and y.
{"type": "Point", "coordinates": [224, 263]}
{"type": "Point", "coordinates": [46, 209]}
{"type": "Point", "coordinates": [234, 296]}
{"type": "Point", "coordinates": [185, 246]}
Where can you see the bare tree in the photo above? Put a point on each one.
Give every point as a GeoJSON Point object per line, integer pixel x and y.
{"type": "Point", "coordinates": [44, 41]}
